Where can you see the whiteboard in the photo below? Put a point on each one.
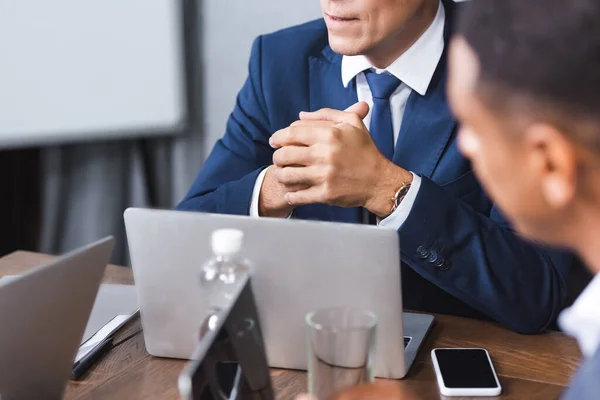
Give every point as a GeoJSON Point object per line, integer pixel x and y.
{"type": "Point", "coordinates": [81, 69]}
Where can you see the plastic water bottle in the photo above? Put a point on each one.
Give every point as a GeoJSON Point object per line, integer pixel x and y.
{"type": "Point", "coordinates": [225, 273]}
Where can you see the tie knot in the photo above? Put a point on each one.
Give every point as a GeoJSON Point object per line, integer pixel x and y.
{"type": "Point", "coordinates": [382, 85]}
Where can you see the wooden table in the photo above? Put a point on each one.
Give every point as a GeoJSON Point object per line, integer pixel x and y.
{"type": "Point", "coordinates": [530, 367]}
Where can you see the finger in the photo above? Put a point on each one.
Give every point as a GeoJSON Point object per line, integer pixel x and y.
{"type": "Point", "coordinates": [297, 136]}
{"type": "Point", "coordinates": [296, 176]}
{"type": "Point", "coordinates": [311, 123]}
{"type": "Point", "coordinates": [361, 109]}
{"type": "Point", "coordinates": [290, 187]}
{"type": "Point", "coordinates": [353, 115]}
{"type": "Point", "coordinates": [295, 188]}
{"type": "Point", "coordinates": [293, 155]}
{"type": "Point", "coordinates": [311, 195]}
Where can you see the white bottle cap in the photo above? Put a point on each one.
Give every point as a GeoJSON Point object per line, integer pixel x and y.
{"type": "Point", "coordinates": [227, 242]}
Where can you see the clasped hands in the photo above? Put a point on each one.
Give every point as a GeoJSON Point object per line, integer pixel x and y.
{"type": "Point", "coordinates": [328, 156]}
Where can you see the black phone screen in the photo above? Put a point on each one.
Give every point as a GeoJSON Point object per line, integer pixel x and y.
{"type": "Point", "coordinates": [465, 368]}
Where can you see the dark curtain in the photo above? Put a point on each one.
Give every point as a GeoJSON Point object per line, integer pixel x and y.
{"type": "Point", "coordinates": [19, 200]}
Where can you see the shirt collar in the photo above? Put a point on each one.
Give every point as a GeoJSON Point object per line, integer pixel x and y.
{"type": "Point", "coordinates": [416, 66]}
{"type": "Point", "coordinates": [582, 319]}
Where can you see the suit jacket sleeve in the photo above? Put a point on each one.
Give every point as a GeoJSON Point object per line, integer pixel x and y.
{"type": "Point", "coordinates": [478, 259]}
{"type": "Point", "coordinates": [226, 180]}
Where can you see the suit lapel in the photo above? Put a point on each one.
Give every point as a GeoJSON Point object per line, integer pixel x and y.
{"type": "Point", "coordinates": [326, 87]}
{"type": "Point", "coordinates": [428, 124]}
{"type": "Point", "coordinates": [427, 127]}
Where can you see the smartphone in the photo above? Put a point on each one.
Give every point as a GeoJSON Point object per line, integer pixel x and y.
{"type": "Point", "coordinates": [465, 372]}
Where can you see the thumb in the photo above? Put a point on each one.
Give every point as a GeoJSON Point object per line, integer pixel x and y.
{"type": "Point", "coordinates": [361, 109]}
{"type": "Point", "coordinates": [352, 115]}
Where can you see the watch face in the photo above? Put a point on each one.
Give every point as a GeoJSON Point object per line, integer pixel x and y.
{"type": "Point", "coordinates": [400, 194]}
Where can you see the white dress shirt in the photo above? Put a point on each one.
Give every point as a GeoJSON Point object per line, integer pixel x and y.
{"type": "Point", "coordinates": [582, 319]}
{"type": "Point", "coordinates": [415, 69]}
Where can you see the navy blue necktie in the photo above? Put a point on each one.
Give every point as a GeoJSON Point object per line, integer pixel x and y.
{"type": "Point", "coordinates": [382, 130]}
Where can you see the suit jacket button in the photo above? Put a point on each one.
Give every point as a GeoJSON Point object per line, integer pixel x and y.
{"type": "Point", "coordinates": [423, 252]}
{"type": "Point", "coordinates": [433, 257]}
{"type": "Point", "coordinates": [442, 264]}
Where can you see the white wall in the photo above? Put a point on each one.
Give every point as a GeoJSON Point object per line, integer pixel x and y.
{"type": "Point", "coordinates": [229, 28]}
{"type": "Point", "coordinates": [74, 70]}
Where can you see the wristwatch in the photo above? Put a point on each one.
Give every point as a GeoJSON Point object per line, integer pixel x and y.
{"type": "Point", "coordinates": [399, 196]}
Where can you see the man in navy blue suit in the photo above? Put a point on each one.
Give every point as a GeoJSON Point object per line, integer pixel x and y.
{"type": "Point", "coordinates": [345, 119]}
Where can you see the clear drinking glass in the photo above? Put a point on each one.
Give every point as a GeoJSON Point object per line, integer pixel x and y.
{"type": "Point", "coordinates": [341, 349]}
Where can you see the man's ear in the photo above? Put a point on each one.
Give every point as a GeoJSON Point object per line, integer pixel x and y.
{"type": "Point", "coordinates": [552, 157]}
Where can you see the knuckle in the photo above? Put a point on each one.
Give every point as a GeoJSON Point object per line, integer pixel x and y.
{"type": "Point", "coordinates": [328, 175]}
{"type": "Point", "coordinates": [344, 126]}
{"type": "Point", "coordinates": [296, 123]}
{"type": "Point", "coordinates": [327, 192]}
{"type": "Point", "coordinates": [335, 150]}
{"type": "Point", "coordinates": [334, 134]}
{"type": "Point", "coordinates": [329, 155]}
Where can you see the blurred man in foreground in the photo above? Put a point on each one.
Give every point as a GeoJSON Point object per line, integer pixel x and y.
{"type": "Point", "coordinates": [525, 85]}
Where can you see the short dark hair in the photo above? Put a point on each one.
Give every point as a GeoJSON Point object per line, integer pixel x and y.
{"type": "Point", "coordinates": [545, 50]}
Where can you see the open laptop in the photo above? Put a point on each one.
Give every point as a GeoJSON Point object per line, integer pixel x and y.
{"type": "Point", "coordinates": [43, 316]}
{"type": "Point", "coordinates": [299, 266]}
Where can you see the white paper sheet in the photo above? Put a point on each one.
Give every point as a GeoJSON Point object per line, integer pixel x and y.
{"type": "Point", "coordinates": [112, 300]}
